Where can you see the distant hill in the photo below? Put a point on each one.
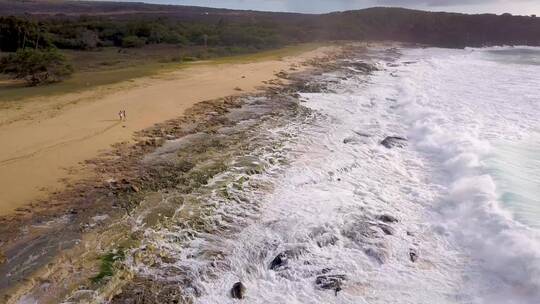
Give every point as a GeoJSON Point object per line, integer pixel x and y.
{"type": "Point", "coordinates": [432, 28]}
{"type": "Point", "coordinates": [37, 7]}
{"type": "Point", "coordinates": [109, 8]}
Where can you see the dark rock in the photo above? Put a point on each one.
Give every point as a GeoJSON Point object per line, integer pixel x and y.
{"type": "Point", "coordinates": [154, 142]}
{"type": "Point", "coordinates": [279, 261]}
{"type": "Point", "coordinates": [282, 259]}
{"type": "Point", "coordinates": [413, 255]}
{"type": "Point", "coordinates": [364, 67]}
{"type": "Point", "coordinates": [394, 142]}
{"type": "Point", "coordinates": [331, 282]}
{"type": "Point", "coordinates": [348, 140]}
{"type": "Point", "coordinates": [238, 290]}
{"type": "Point", "coordinates": [326, 270]}
{"type": "Point", "coordinates": [387, 218]}
{"type": "Point", "coordinates": [386, 229]}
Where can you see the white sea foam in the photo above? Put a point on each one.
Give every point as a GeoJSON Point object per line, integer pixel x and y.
{"type": "Point", "coordinates": [451, 105]}
{"type": "Point", "coordinates": [326, 204]}
{"type": "Point", "coordinates": [456, 104]}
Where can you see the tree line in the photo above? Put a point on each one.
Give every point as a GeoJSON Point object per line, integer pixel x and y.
{"type": "Point", "coordinates": [250, 30]}
{"type": "Point", "coordinates": [85, 33]}
{"type": "Point", "coordinates": [38, 40]}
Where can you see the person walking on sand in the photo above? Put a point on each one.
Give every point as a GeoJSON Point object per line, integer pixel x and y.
{"type": "Point", "coordinates": [120, 115]}
{"type": "Point", "coordinates": [124, 114]}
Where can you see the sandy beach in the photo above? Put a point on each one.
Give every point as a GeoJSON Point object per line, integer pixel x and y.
{"type": "Point", "coordinates": [45, 141]}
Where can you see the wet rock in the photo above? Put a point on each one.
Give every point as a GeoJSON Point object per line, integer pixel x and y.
{"type": "Point", "coordinates": [311, 87]}
{"type": "Point", "coordinates": [364, 67]}
{"type": "Point", "coordinates": [279, 261]}
{"type": "Point", "coordinates": [394, 142]}
{"type": "Point", "coordinates": [331, 282]}
{"type": "Point", "coordinates": [238, 290]}
{"type": "Point", "coordinates": [327, 238]}
{"type": "Point", "coordinates": [283, 75]}
{"type": "Point", "coordinates": [323, 236]}
{"type": "Point", "coordinates": [386, 229]}
{"type": "Point", "coordinates": [326, 270]}
{"type": "Point", "coordinates": [154, 142]}
{"type": "Point", "coordinates": [377, 254]}
{"type": "Point", "coordinates": [282, 259]}
{"type": "Point", "coordinates": [348, 140]}
{"type": "Point", "coordinates": [361, 231]}
{"type": "Point", "coordinates": [361, 134]}
{"type": "Point", "coordinates": [358, 138]}
{"type": "Point", "coordinates": [413, 254]}
{"type": "Point", "coordinates": [387, 218]}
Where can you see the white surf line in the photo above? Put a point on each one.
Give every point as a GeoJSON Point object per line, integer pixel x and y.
{"type": "Point", "coordinates": [326, 208]}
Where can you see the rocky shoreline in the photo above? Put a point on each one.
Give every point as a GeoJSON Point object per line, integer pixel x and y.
{"type": "Point", "coordinates": [73, 245]}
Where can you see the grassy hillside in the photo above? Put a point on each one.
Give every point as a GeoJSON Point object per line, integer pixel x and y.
{"type": "Point", "coordinates": [75, 24]}
{"type": "Point", "coordinates": [111, 38]}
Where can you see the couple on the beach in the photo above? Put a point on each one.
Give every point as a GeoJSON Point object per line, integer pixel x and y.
{"type": "Point", "coordinates": [122, 115]}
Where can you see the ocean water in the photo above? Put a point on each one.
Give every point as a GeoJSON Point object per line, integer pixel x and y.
{"type": "Point", "coordinates": [474, 114]}
{"type": "Point", "coordinates": [465, 190]}
{"type": "Point", "coordinates": [452, 216]}
{"type": "Point", "coordinates": [515, 169]}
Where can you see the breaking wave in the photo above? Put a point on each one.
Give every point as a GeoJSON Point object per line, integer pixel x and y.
{"type": "Point", "coordinates": [457, 105]}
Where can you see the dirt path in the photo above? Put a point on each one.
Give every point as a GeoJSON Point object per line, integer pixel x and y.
{"type": "Point", "coordinates": [47, 140]}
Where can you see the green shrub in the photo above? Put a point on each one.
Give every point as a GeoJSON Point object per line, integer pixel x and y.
{"type": "Point", "coordinates": [36, 66]}
{"type": "Point", "coordinates": [175, 38]}
{"type": "Point", "coordinates": [188, 58]}
{"type": "Point", "coordinates": [107, 266]}
{"type": "Point", "coordinates": [133, 42]}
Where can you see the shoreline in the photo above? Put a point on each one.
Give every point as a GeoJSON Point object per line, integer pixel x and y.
{"type": "Point", "coordinates": [49, 139]}
{"type": "Point", "coordinates": [65, 227]}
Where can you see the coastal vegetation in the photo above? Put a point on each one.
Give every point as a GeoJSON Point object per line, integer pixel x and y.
{"type": "Point", "coordinates": [36, 66]}
{"type": "Point", "coordinates": [107, 266]}
{"type": "Point", "coordinates": [106, 36]}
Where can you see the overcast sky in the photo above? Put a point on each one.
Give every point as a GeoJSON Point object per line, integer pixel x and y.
{"type": "Point", "coordinates": [523, 7]}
